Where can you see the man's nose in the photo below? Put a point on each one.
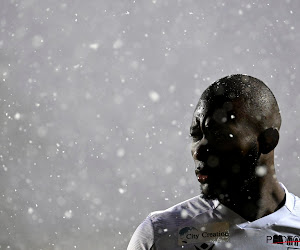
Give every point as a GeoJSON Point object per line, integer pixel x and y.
{"type": "Point", "coordinates": [200, 150]}
{"type": "Point", "coordinates": [205, 154]}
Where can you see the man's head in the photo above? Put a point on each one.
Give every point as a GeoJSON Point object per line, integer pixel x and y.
{"type": "Point", "coordinates": [235, 130]}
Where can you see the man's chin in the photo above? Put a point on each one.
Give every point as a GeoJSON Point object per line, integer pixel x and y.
{"type": "Point", "coordinates": [208, 192]}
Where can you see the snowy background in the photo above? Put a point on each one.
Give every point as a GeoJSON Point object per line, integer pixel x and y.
{"type": "Point", "coordinates": [97, 99]}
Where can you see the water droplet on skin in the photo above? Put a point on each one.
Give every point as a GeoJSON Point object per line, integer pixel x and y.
{"type": "Point", "coordinates": [236, 168]}
{"type": "Point", "coordinates": [213, 161]}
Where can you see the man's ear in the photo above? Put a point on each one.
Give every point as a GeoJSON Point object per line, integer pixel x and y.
{"type": "Point", "coordinates": [268, 140]}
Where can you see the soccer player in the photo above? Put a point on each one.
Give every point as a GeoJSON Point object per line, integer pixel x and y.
{"type": "Point", "coordinates": [235, 129]}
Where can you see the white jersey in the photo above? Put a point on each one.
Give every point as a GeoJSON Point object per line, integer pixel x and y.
{"type": "Point", "coordinates": [200, 224]}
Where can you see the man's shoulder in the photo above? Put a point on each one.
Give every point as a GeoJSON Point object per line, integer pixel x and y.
{"type": "Point", "coordinates": [181, 212]}
{"type": "Point", "coordinates": [296, 206]}
{"type": "Point", "coordinates": [160, 227]}
{"type": "Point", "coordinates": [292, 202]}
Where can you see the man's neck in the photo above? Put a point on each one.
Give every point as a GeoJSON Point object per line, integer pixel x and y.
{"type": "Point", "coordinates": [263, 197]}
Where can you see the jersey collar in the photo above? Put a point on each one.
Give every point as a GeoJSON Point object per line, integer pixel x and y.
{"type": "Point", "coordinates": [263, 222]}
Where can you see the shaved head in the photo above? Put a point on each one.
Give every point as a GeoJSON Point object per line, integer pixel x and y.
{"type": "Point", "coordinates": [256, 99]}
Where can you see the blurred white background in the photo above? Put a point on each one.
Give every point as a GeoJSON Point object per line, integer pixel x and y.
{"type": "Point", "coordinates": [97, 99]}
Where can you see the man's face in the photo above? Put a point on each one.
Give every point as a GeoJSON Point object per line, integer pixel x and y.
{"type": "Point", "coordinates": [224, 146]}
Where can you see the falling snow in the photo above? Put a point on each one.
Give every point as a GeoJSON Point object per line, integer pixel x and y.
{"type": "Point", "coordinates": [17, 116]}
{"type": "Point", "coordinates": [118, 44]}
{"type": "Point", "coordinates": [97, 100]}
{"type": "Point", "coordinates": [154, 96]}
{"type": "Point", "coordinates": [94, 46]}
{"type": "Point", "coordinates": [122, 190]}
{"type": "Point", "coordinates": [37, 41]}
{"type": "Point", "coordinates": [120, 152]}
{"type": "Point", "coordinates": [68, 214]}
{"type": "Point", "coordinates": [261, 171]}
{"type": "Point", "coordinates": [30, 210]}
